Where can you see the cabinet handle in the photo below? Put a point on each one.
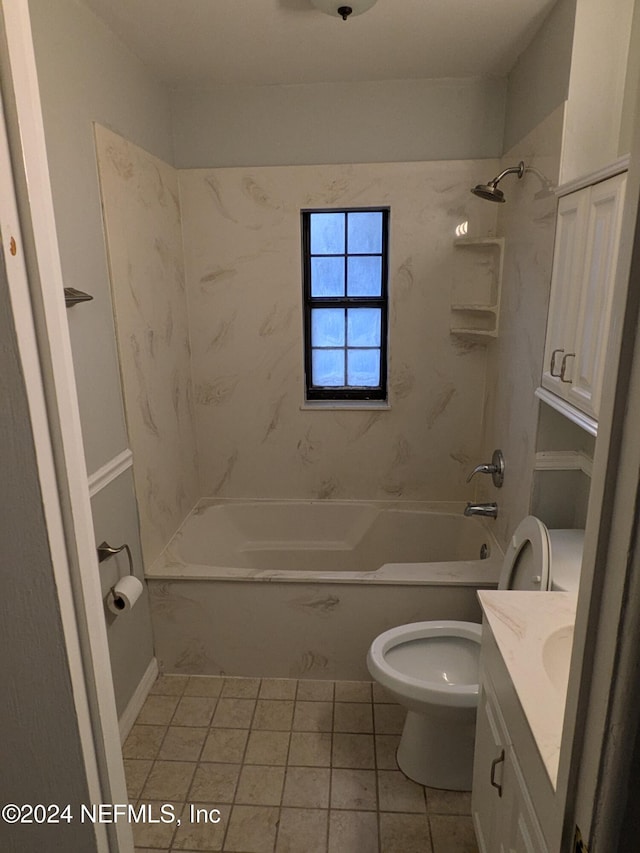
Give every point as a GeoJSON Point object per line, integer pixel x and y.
{"type": "Point", "coordinates": [563, 367]}
{"type": "Point", "coordinates": [553, 362]}
{"type": "Point", "coordinates": [494, 765]}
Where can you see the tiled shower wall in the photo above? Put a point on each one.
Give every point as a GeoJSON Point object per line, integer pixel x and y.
{"type": "Point", "coordinates": [527, 222]}
{"type": "Point", "coordinates": [243, 272]}
{"type": "Point", "coordinates": [242, 291]}
{"type": "Point", "coordinates": [141, 210]}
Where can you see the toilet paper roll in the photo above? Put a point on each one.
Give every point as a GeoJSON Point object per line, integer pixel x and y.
{"type": "Point", "coordinates": [124, 594]}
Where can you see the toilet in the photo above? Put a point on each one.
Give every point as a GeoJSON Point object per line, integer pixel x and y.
{"type": "Point", "coordinates": [432, 668]}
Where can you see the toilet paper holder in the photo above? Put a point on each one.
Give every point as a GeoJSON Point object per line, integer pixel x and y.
{"type": "Point", "coordinates": [117, 602]}
{"type": "Point", "coordinates": [105, 551]}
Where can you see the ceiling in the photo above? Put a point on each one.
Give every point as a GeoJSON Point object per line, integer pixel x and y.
{"type": "Point", "coordinates": [202, 43]}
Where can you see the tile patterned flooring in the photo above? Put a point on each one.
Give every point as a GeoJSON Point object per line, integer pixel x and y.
{"type": "Point", "coordinates": [292, 766]}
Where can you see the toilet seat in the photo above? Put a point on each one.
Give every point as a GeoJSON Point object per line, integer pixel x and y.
{"type": "Point", "coordinates": [391, 659]}
{"type": "Point", "coordinates": [526, 559]}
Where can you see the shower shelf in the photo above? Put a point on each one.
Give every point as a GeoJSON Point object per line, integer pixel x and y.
{"type": "Point", "coordinates": [472, 317]}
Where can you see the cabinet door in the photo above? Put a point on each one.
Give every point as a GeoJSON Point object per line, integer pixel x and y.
{"type": "Point", "coordinates": [522, 832]}
{"type": "Point", "coordinates": [488, 770]}
{"type": "Point", "coordinates": [568, 261]}
{"type": "Point", "coordinates": [596, 293]}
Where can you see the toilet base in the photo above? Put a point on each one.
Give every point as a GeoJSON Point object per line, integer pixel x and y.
{"type": "Point", "coordinates": [436, 752]}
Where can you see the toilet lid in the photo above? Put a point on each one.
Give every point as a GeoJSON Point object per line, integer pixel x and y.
{"type": "Point", "coordinates": [526, 560]}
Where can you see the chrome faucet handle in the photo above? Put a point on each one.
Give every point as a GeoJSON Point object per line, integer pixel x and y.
{"type": "Point", "coordinates": [495, 468]}
{"type": "Point", "coordinates": [482, 469]}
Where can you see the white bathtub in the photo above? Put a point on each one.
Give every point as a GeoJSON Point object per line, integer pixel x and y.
{"type": "Point", "coordinates": [300, 588]}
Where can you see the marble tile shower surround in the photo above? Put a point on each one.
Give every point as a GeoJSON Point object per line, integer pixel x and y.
{"type": "Point", "coordinates": [514, 367]}
{"type": "Point", "coordinates": [141, 212]}
{"type": "Point", "coordinates": [241, 347]}
{"type": "Point", "coordinates": [297, 629]}
{"type": "Point", "coordinates": [243, 273]}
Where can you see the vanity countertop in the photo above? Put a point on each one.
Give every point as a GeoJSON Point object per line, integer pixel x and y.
{"type": "Point", "coordinates": [534, 633]}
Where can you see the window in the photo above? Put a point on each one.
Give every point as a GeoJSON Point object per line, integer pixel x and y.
{"type": "Point", "coordinates": [345, 303]}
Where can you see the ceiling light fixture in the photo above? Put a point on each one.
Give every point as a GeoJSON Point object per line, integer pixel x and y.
{"type": "Point", "coordinates": [337, 8]}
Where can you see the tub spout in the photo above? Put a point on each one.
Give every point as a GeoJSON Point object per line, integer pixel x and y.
{"type": "Point", "coordinates": [489, 510]}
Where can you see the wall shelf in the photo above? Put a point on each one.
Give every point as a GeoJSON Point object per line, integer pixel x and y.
{"type": "Point", "coordinates": [475, 304]}
{"type": "Point", "coordinates": [563, 460]}
{"type": "Point", "coordinates": [587, 423]}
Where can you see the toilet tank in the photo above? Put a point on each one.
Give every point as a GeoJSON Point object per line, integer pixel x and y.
{"type": "Point", "coordinates": [565, 559]}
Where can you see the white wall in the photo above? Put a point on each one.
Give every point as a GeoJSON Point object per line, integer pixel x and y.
{"type": "Point", "coordinates": [593, 120]}
{"type": "Point", "coordinates": [85, 75]}
{"type": "Point", "coordinates": [368, 122]}
{"type": "Point", "coordinates": [539, 81]}
{"type": "Point", "coordinates": [41, 755]}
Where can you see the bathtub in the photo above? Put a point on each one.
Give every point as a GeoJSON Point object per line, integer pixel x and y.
{"type": "Point", "coordinates": [299, 589]}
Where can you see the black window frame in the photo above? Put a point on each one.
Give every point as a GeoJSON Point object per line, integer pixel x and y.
{"type": "Point", "coordinates": [338, 393]}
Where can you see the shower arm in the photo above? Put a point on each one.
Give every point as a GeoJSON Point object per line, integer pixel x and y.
{"type": "Point", "coordinates": [512, 170]}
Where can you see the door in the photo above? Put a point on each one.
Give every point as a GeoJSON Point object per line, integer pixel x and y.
{"type": "Point", "coordinates": [604, 222]}
{"type": "Point", "coordinates": [36, 293]}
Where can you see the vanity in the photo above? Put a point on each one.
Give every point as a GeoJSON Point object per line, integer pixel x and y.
{"type": "Point", "coordinates": [524, 668]}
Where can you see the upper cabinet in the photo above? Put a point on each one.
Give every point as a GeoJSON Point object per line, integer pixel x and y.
{"type": "Point", "coordinates": [586, 250]}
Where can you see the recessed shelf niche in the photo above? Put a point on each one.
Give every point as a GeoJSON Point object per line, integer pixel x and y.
{"type": "Point", "coordinates": [476, 287]}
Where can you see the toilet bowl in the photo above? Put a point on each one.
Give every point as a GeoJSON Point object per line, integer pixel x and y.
{"type": "Point", "coordinates": [432, 668]}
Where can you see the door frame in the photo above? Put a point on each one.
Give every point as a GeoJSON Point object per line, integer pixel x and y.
{"type": "Point", "coordinates": [36, 289]}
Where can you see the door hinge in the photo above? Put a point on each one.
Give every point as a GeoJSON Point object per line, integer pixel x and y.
{"type": "Point", "coordinates": [578, 844]}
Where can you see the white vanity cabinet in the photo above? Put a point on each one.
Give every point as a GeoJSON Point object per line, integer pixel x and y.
{"type": "Point", "coordinates": [586, 250]}
{"type": "Point", "coordinates": [503, 815]}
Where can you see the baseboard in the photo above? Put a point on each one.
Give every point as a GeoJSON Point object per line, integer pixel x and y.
{"type": "Point", "coordinates": [130, 713]}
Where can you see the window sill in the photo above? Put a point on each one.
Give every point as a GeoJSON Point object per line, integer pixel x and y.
{"type": "Point", "coordinates": [357, 405]}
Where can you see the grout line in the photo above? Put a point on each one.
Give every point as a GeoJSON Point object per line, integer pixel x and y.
{"type": "Point", "coordinates": [286, 767]}
{"type": "Point", "coordinates": [375, 766]}
{"type": "Point", "coordinates": [175, 831]}
{"type": "Point", "coordinates": [331, 743]}
{"type": "Point", "coordinates": [428, 814]}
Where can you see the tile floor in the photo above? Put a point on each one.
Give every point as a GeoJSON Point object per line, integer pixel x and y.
{"type": "Point", "coordinates": [292, 766]}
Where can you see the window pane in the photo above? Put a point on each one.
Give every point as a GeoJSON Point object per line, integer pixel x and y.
{"type": "Point", "coordinates": [327, 233]}
{"type": "Point", "coordinates": [364, 276]}
{"type": "Point", "coordinates": [365, 233]}
{"type": "Point", "coordinates": [327, 327]}
{"type": "Point", "coordinates": [363, 367]}
{"type": "Point", "coordinates": [327, 367]}
{"type": "Point", "coordinates": [327, 276]}
{"type": "Point", "coordinates": [363, 327]}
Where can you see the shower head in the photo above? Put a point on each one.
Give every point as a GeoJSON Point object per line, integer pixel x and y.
{"type": "Point", "coordinates": [490, 191]}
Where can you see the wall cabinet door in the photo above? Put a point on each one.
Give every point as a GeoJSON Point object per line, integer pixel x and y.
{"type": "Point", "coordinates": [586, 250]}
{"type": "Point", "coordinates": [565, 288]}
{"type": "Point", "coordinates": [596, 293]}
